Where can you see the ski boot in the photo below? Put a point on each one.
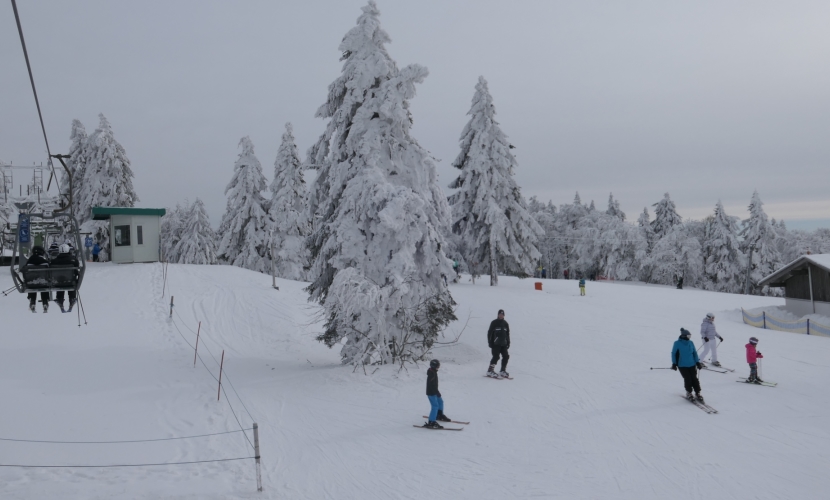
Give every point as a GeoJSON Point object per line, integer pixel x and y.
{"type": "Point", "coordinates": [699, 398]}
{"type": "Point", "coordinates": [32, 306]}
{"type": "Point", "coordinates": [715, 363]}
{"type": "Point", "coordinates": [689, 396]}
{"type": "Point", "coordinates": [504, 374]}
{"type": "Point", "coordinates": [60, 304]}
{"type": "Point", "coordinates": [71, 304]}
{"type": "Point", "coordinates": [491, 372]}
{"type": "Point", "coordinates": [442, 417]}
{"type": "Point", "coordinates": [758, 381]}
{"type": "Point", "coordinates": [433, 425]}
{"type": "Point", "coordinates": [45, 307]}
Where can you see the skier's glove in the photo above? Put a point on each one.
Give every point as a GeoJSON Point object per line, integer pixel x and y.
{"type": "Point", "coordinates": [700, 366]}
{"type": "Point", "coordinates": [706, 339]}
{"type": "Point", "coordinates": [721, 338]}
{"type": "Point", "coordinates": [674, 367]}
{"type": "Point", "coordinates": [759, 355]}
{"type": "Point", "coordinates": [491, 346]}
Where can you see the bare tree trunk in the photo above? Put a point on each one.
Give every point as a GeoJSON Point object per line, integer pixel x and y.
{"type": "Point", "coordinates": [494, 267]}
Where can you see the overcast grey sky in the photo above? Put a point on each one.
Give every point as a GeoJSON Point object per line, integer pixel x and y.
{"type": "Point", "coordinates": [706, 100]}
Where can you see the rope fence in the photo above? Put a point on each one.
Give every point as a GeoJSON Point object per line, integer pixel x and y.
{"type": "Point", "coordinates": [768, 322]}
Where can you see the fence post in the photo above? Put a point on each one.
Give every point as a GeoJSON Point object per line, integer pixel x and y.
{"type": "Point", "coordinates": [171, 306]}
{"type": "Point", "coordinates": [808, 326]}
{"type": "Point", "coordinates": [196, 351]}
{"type": "Point", "coordinates": [256, 457]}
{"type": "Point", "coordinates": [765, 320]}
{"type": "Point", "coordinates": [220, 375]}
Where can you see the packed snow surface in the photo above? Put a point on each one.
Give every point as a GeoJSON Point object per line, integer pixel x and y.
{"type": "Point", "coordinates": [584, 417]}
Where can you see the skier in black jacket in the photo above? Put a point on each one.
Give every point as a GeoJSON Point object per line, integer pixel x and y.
{"type": "Point", "coordinates": [435, 401]}
{"type": "Point", "coordinates": [38, 260]}
{"type": "Point", "coordinates": [498, 338]}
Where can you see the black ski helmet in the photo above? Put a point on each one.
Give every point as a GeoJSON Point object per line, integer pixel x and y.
{"type": "Point", "coordinates": [434, 363]}
{"type": "Point", "coordinates": [753, 340]}
{"type": "Point", "coordinates": [685, 333]}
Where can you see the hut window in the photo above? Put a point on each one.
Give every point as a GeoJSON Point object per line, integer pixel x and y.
{"type": "Point", "coordinates": [139, 235]}
{"type": "Point", "coordinates": [122, 236]}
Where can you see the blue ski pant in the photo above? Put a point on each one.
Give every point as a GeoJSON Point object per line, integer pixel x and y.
{"type": "Point", "coordinates": [437, 405]}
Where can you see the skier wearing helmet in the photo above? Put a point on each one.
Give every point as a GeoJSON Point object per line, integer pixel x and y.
{"type": "Point", "coordinates": [435, 401]}
{"type": "Point", "coordinates": [752, 357]}
{"type": "Point", "coordinates": [66, 259]}
{"type": "Point", "coordinates": [684, 357]}
{"type": "Point", "coordinates": [709, 336]}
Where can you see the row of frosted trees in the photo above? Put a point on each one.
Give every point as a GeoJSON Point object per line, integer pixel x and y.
{"type": "Point", "coordinates": [374, 233]}
{"type": "Point", "coordinates": [713, 253]}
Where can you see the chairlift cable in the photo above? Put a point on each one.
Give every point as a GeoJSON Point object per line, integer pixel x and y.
{"type": "Point", "coordinates": [34, 91]}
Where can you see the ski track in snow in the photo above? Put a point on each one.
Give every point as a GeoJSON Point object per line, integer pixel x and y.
{"type": "Point", "coordinates": [584, 416]}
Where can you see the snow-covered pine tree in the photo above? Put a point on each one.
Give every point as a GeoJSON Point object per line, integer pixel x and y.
{"type": "Point", "coordinates": [665, 217]}
{"type": "Point", "coordinates": [676, 255]}
{"type": "Point", "coordinates": [107, 182]}
{"type": "Point", "coordinates": [377, 248]}
{"type": "Point", "coordinates": [170, 232]}
{"type": "Point", "coordinates": [197, 243]}
{"type": "Point", "coordinates": [287, 222]}
{"type": "Point", "coordinates": [725, 264]}
{"type": "Point", "coordinates": [243, 231]}
{"type": "Point", "coordinates": [488, 209]}
{"type": "Point", "coordinates": [759, 239]}
{"type": "Point", "coordinates": [614, 207]}
{"type": "Point", "coordinates": [77, 167]}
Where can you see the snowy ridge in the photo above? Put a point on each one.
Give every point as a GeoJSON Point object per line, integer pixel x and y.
{"type": "Point", "coordinates": [584, 418]}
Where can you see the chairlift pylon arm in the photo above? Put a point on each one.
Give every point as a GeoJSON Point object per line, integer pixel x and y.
{"type": "Point", "coordinates": [60, 158]}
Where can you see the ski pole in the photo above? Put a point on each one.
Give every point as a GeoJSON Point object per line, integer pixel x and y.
{"type": "Point", "coordinates": [660, 368]}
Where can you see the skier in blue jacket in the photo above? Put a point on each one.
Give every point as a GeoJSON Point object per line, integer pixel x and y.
{"type": "Point", "coordinates": [684, 357]}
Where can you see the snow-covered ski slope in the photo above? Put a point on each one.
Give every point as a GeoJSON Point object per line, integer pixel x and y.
{"type": "Point", "coordinates": [584, 417]}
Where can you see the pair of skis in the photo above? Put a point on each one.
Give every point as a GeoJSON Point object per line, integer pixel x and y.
{"type": "Point", "coordinates": [719, 369]}
{"type": "Point", "coordinates": [767, 384]}
{"type": "Point", "coordinates": [700, 404]}
{"type": "Point", "coordinates": [444, 428]}
{"type": "Point", "coordinates": [499, 377]}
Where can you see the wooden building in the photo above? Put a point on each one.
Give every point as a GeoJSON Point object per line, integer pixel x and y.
{"type": "Point", "coordinates": [806, 283]}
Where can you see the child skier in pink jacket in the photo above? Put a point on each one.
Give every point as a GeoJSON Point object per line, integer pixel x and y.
{"type": "Point", "coordinates": [752, 357]}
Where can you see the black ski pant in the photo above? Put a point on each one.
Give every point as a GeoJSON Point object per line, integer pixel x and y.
{"type": "Point", "coordinates": [44, 297]}
{"type": "Point", "coordinates": [59, 296]}
{"type": "Point", "coordinates": [500, 350]}
{"type": "Point", "coordinates": [690, 380]}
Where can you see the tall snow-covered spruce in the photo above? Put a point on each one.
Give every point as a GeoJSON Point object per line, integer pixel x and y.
{"type": "Point", "coordinates": [286, 215]}
{"type": "Point", "coordinates": [377, 247]}
{"type": "Point", "coordinates": [243, 230]}
{"type": "Point", "coordinates": [488, 210]}
{"type": "Point", "coordinates": [107, 180]}
{"type": "Point", "coordinates": [77, 167]}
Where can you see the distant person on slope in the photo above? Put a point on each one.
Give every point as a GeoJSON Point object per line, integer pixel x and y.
{"type": "Point", "coordinates": [96, 249]}
{"type": "Point", "coordinates": [752, 358]}
{"type": "Point", "coordinates": [435, 401]}
{"type": "Point", "coordinates": [709, 335]}
{"type": "Point", "coordinates": [581, 286]}
{"type": "Point", "coordinates": [498, 338]}
{"type": "Point", "coordinates": [684, 356]}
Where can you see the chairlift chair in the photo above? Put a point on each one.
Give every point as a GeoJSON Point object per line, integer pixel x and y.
{"type": "Point", "coordinates": [47, 279]}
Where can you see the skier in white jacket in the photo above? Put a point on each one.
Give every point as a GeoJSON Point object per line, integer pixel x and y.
{"type": "Point", "coordinates": [710, 338]}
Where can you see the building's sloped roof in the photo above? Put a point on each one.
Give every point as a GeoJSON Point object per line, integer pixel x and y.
{"type": "Point", "coordinates": [821, 260]}
{"type": "Point", "coordinates": [104, 213]}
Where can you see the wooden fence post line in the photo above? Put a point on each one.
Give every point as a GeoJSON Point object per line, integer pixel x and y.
{"type": "Point", "coordinates": [196, 351]}
{"type": "Point", "coordinates": [808, 326]}
{"type": "Point", "coordinates": [256, 457]}
{"type": "Point", "coordinates": [219, 393]}
{"type": "Point", "coordinates": [171, 306]}
{"type": "Point", "coordinates": [765, 320]}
